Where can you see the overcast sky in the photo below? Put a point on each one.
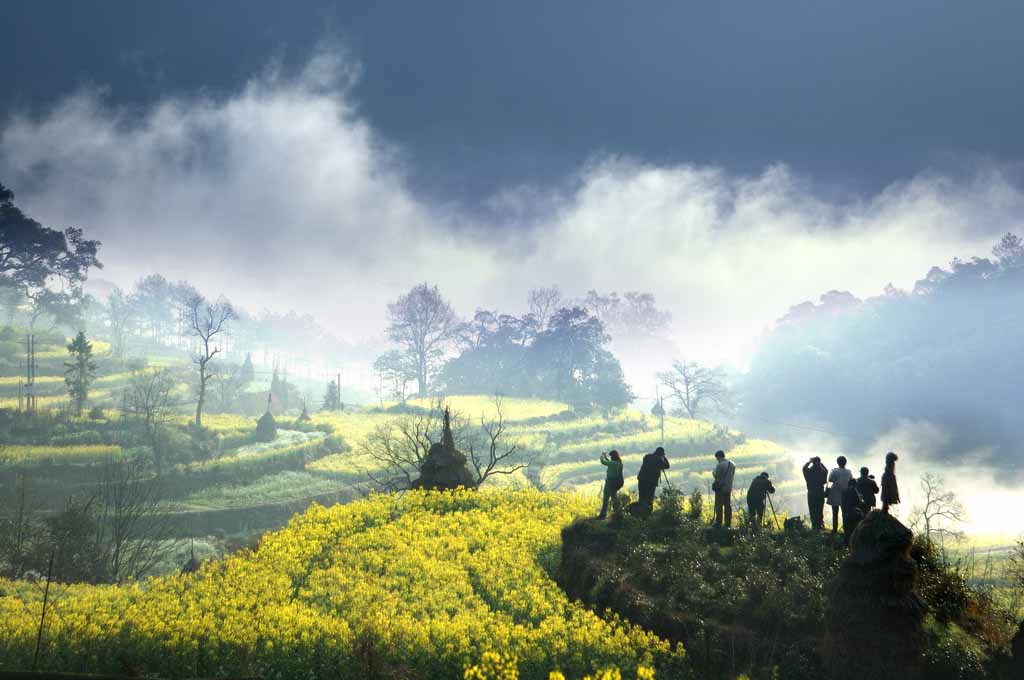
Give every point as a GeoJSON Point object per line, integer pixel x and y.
{"type": "Point", "coordinates": [732, 158]}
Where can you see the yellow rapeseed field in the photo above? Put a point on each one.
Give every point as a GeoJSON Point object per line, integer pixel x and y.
{"type": "Point", "coordinates": [442, 583]}
{"type": "Point", "coordinates": [19, 453]}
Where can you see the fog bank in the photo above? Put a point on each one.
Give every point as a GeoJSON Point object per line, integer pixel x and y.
{"type": "Point", "coordinates": [283, 195]}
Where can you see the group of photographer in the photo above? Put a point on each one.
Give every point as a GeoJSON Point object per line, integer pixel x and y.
{"type": "Point", "coordinates": [647, 479]}
{"type": "Point", "coordinates": [846, 495]}
{"type": "Point", "coordinates": [654, 465]}
{"type": "Point", "coordinates": [851, 497]}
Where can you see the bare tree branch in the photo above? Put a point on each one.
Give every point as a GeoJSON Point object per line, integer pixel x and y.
{"type": "Point", "coordinates": [207, 321]}
{"type": "Point", "coordinates": [941, 513]}
{"type": "Point", "coordinates": [698, 390]}
{"type": "Point", "coordinates": [496, 456]}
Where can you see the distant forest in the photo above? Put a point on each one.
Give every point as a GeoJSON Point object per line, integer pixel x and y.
{"type": "Point", "coordinates": [949, 352]}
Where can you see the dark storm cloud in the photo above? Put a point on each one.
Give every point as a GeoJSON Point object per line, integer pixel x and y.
{"type": "Point", "coordinates": [282, 194]}
{"type": "Point", "coordinates": [486, 95]}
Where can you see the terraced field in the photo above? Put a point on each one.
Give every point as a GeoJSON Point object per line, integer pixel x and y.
{"type": "Point", "coordinates": [231, 483]}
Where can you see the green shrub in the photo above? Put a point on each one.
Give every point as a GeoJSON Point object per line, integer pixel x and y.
{"type": "Point", "coordinates": [671, 505]}
{"type": "Point", "coordinates": [695, 507]}
{"type": "Point", "coordinates": [942, 585]}
{"type": "Point", "coordinates": [334, 444]}
{"type": "Point", "coordinates": [951, 654]}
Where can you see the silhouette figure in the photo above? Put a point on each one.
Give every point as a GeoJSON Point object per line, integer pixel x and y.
{"type": "Point", "coordinates": [890, 489]}
{"type": "Point", "coordinates": [723, 474]}
{"type": "Point", "coordinates": [853, 510]}
{"type": "Point", "coordinates": [839, 479]}
{"type": "Point", "coordinates": [613, 481]}
{"type": "Point", "coordinates": [868, 488]}
{"type": "Point", "coordinates": [649, 475]}
{"type": "Point", "coordinates": [816, 476]}
{"type": "Point", "coordinates": [757, 494]}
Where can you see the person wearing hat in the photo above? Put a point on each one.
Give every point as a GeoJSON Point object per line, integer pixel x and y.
{"type": "Point", "coordinates": [868, 488]}
{"type": "Point", "coordinates": [756, 496]}
{"type": "Point", "coordinates": [839, 479]}
{"type": "Point", "coordinates": [890, 490]}
{"type": "Point", "coordinates": [816, 476]}
{"type": "Point", "coordinates": [723, 474]}
{"type": "Point", "coordinates": [649, 476]}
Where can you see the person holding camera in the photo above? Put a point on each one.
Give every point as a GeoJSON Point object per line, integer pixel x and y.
{"type": "Point", "coordinates": [613, 481]}
{"type": "Point", "coordinates": [816, 477]}
{"type": "Point", "coordinates": [868, 488]}
{"type": "Point", "coordinates": [723, 474]}
{"type": "Point", "coordinates": [650, 473]}
{"type": "Point", "coordinates": [757, 495]}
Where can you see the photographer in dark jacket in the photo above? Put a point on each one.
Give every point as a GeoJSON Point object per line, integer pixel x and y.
{"type": "Point", "coordinates": [868, 488]}
{"type": "Point", "coordinates": [649, 476]}
{"type": "Point", "coordinates": [816, 476]}
{"type": "Point", "coordinates": [853, 510]}
{"type": "Point", "coordinates": [757, 494]}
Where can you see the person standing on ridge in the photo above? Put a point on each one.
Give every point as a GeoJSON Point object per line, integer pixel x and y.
{"type": "Point", "coordinates": [613, 481]}
{"type": "Point", "coordinates": [839, 479]}
{"type": "Point", "coordinates": [757, 495]}
{"type": "Point", "coordinates": [649, 475]}
{"type": "Point", "coordinates": [868, 488]}
{"type": "Point", "coordinates": [723, 474]}
{"type": "Point", "coordinates": [853, 511]}
{"type": "Point", "coordinates": [816, 476]}
{"type": "Point", "coordinates": [890, 490]}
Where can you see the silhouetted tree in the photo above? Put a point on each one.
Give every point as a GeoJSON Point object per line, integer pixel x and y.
{"type": "Point", "coordinates": [572, 364]}
{"type": "Point", "coordinates": [246, 373]}
{"type": "Point", "coordinates": [1009, 251]}
{"type": "Point", "coordinates": [396, 370]}
{"type": "Point", "coordinates": [47, 266]}
{"type": "Point", "coordinates": [424, 325]}
{"type": "Point", "coordinates": [489, 451]}
{"type": "Point", "coordinates": [632, 314]}
{"type": "Point", "coordinates": [150, 398]}
{"type": "Point", "coordinates": [208, 321]}
{"type": "Point", "coordinates": [120, 314]}
{"type": "Point", "coordinates": [332, 400]}
{"type": "Point", "coordinates": [940, 513]}
{"type": "Point", "coordinates": [153, 302]}
{"type": "Point", "coordinates": [80, 371]}
{"type": "Point", "coordinates": [543, 302]}
{"type": "Point", "coordinates": [698, 390]}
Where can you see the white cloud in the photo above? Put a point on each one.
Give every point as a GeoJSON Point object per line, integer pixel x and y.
{"type": "Point", "coordinates": [282, 195]}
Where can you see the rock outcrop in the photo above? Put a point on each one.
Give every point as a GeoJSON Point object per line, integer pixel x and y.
{"type": "Point", "coordinates": [444, 467]}
{"type": "Point", "coordinates": [875, 614]}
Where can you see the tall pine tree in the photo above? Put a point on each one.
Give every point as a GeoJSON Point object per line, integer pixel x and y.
{"type": "Point", "coordinates": [332, 400]}
{"type": "Point", "coordinates": [80, 371]}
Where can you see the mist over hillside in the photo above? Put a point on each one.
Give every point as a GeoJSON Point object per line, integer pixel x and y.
{"type": "Point", "coordinates": [943, 357]}
{"type": "Point", "coordinates": [282, 193]}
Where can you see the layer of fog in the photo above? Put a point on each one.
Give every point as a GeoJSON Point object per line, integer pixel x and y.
{"type": "Point", "coordinates": [282, 195]}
